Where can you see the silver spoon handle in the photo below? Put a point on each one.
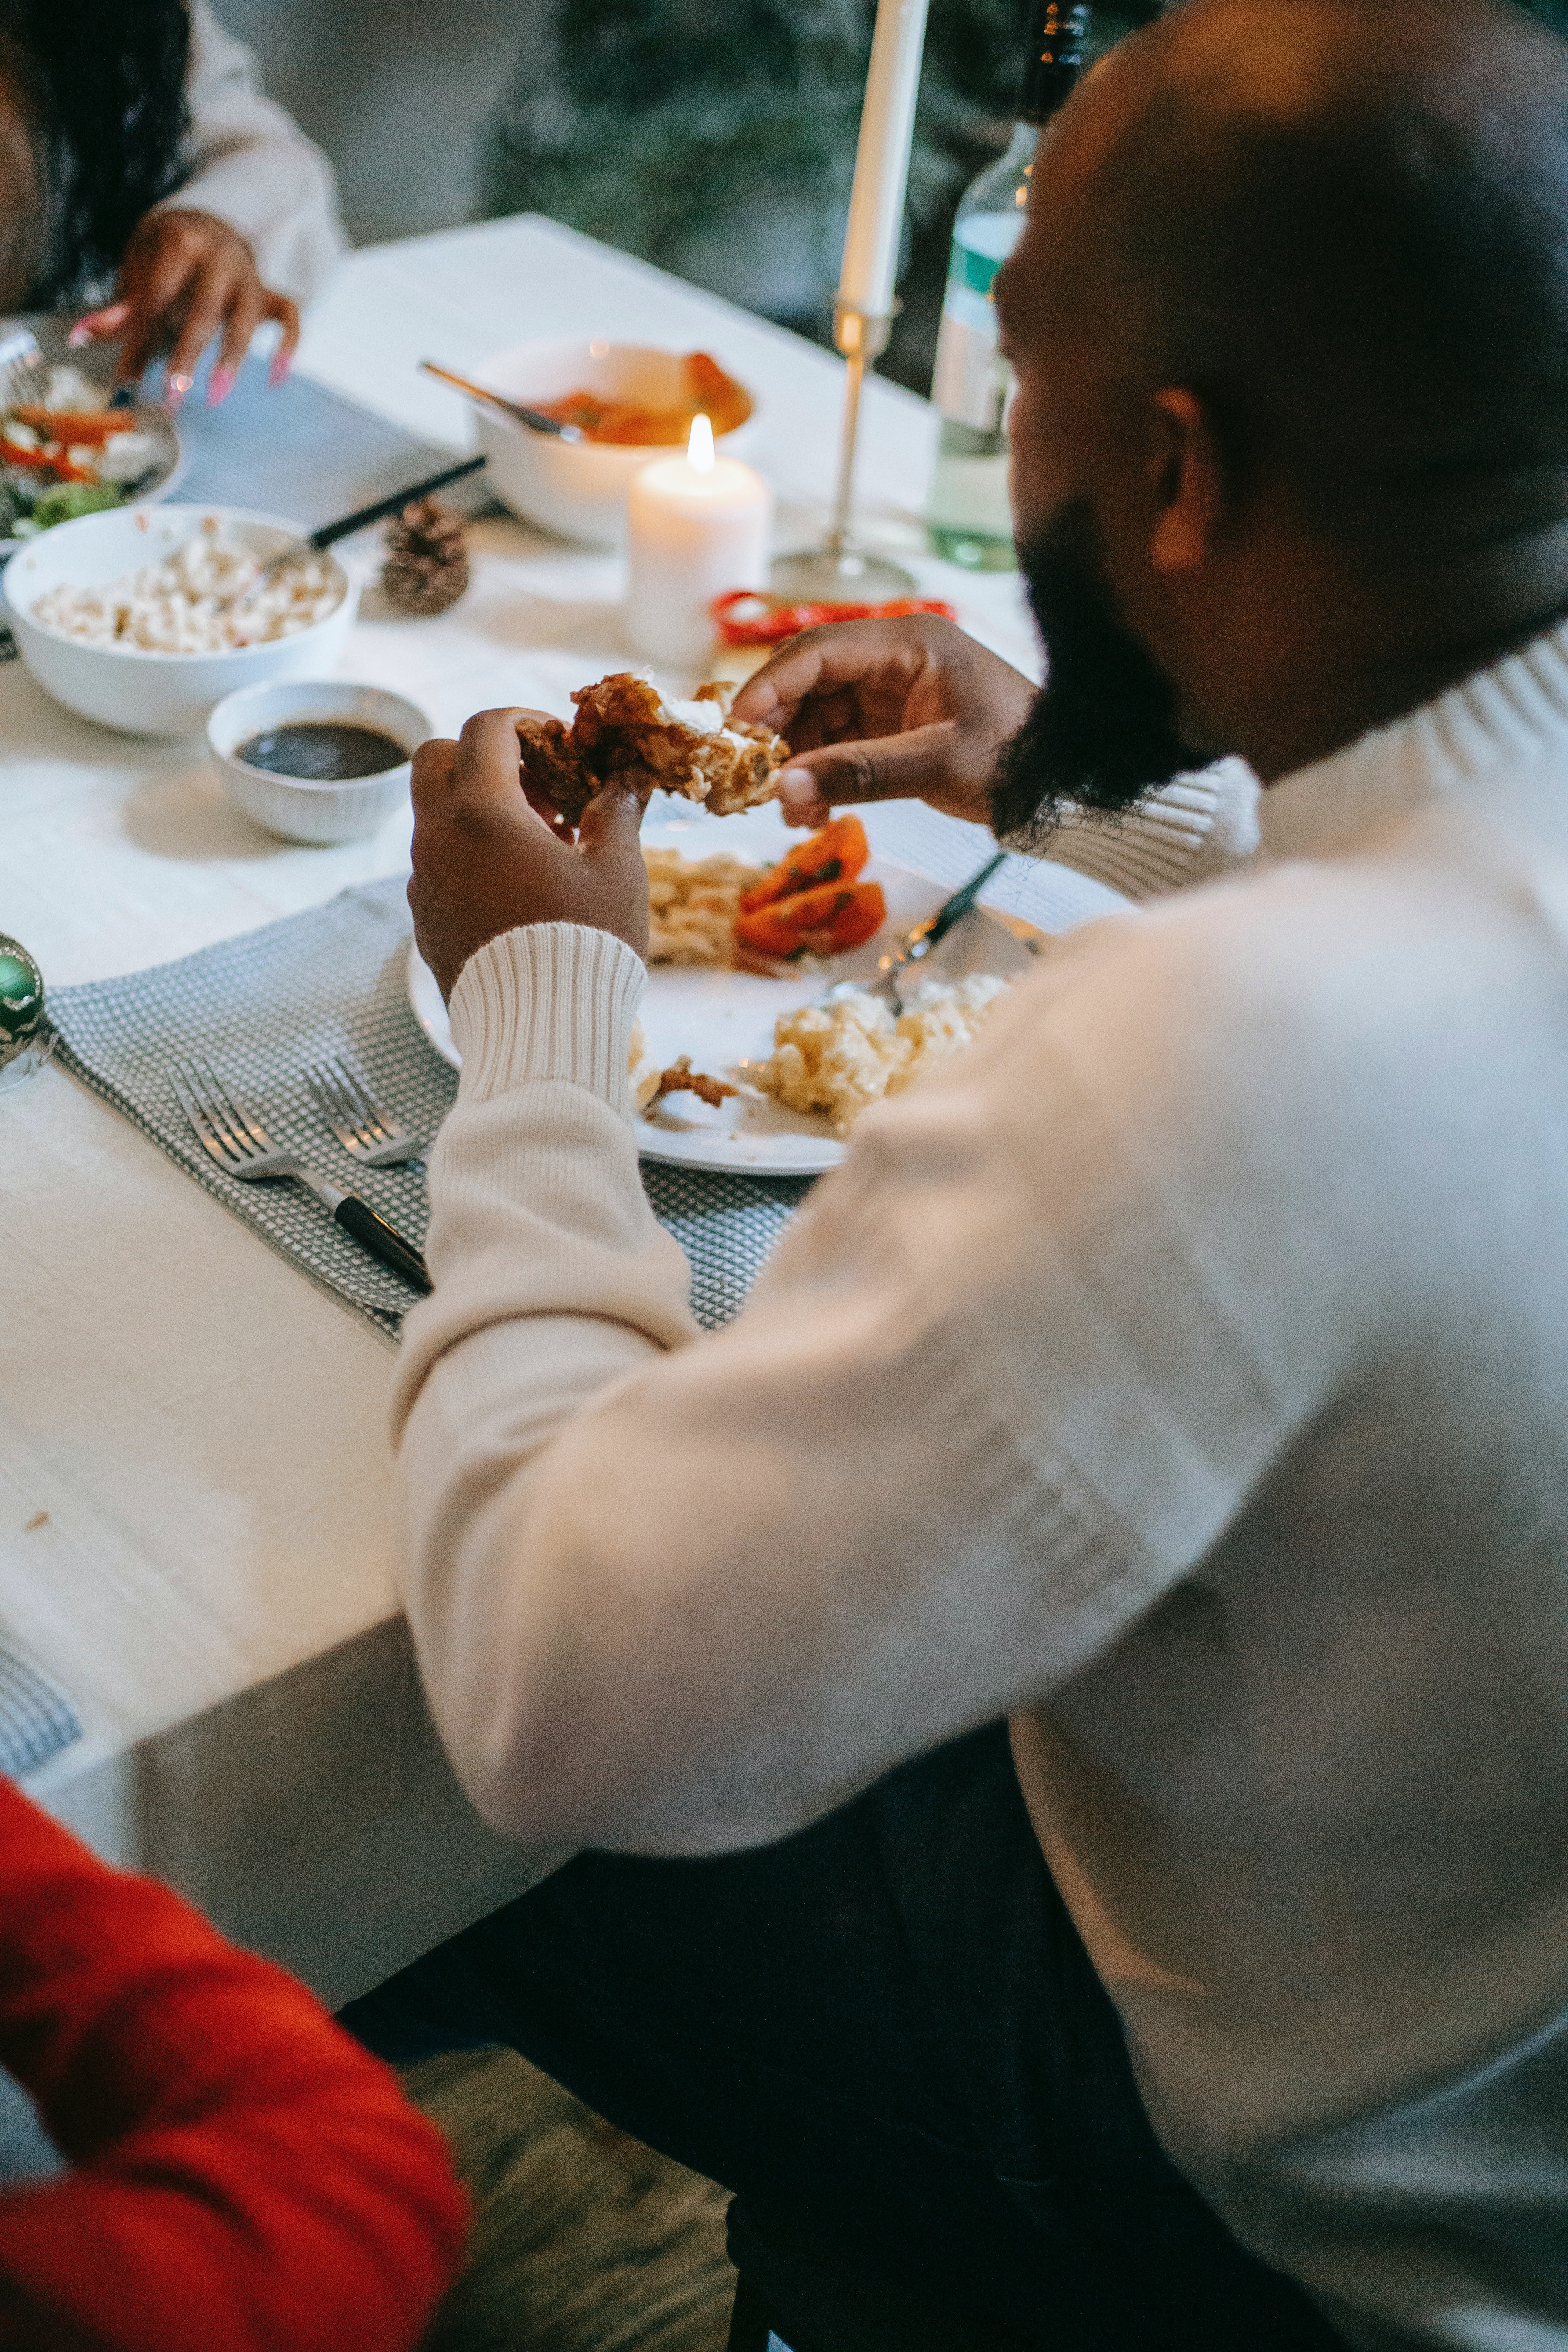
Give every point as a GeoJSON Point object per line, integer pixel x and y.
{"type": "Point", "coordinates": [534, 418]}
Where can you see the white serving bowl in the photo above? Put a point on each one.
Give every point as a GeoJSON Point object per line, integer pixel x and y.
{"type": "Point", "coordinates": [578, 488]}
{"type": "Point", "coordinates": [147, 693]}
{"type": "Point", "coordinates": [293, 805]}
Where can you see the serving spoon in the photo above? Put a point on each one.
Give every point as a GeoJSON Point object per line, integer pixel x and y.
{"type": "Point", "coordinates": [319, 541]}
{"type": "Point", "coordinates": [534, 418]}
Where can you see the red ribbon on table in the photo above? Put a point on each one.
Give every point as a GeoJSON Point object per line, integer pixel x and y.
{"type": "Point", "coordinates": [745, 617]}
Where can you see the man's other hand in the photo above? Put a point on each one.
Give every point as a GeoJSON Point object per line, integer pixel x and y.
{"type": "Point", "coordinates": [189, 277]}
{"type": "Point", "coordinates": [485, 860]}
{"type": "Point", "coordinates": [887, 710]}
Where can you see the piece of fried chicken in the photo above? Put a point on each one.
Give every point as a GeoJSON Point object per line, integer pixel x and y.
{"type": "Point", "coordinates": [689, 748]}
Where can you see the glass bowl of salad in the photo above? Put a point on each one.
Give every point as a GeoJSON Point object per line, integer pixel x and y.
{"type": "Point", "coordinates": [68, 448]}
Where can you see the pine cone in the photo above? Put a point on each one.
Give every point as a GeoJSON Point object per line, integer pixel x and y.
{"type": "Point", "coordinates": [427, 567]}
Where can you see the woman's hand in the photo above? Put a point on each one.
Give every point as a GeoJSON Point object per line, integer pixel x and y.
{"type": "Point", "coordinates": [485, 860]}
{"type": "Point", "coordinates": [885, 710]}
{"type": "Point", "coordinates": [190, 276]}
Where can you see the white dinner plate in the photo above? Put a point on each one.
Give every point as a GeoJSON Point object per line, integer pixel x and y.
{"type": "Point", "coordinates": [724, 1020]}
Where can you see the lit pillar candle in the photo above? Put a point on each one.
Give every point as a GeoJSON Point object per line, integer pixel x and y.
{"type": "Point", "coordinates": [882, 159]}
{"type": "Point", "coordinates": [696, 526]}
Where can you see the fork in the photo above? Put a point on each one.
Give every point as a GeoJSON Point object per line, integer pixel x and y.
{"type": "Point", "coordinates": [242, 1147]}
{"type": "Point", "coordinates": [357, 1119]}
{"type": "Point", "coordinates": [917, 944]}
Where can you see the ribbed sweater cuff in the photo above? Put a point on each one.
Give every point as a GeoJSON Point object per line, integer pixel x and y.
{"type": "Point", "coordinates": [547, 1001]}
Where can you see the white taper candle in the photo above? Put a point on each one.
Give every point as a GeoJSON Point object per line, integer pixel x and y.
{"type": "Point", "coordinates": [882, 158]}
{"type": "Point", "coordinates": [696, 526]}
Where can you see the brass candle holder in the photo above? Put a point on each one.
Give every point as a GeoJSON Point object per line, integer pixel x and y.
{"type": "Point", "coordinates": [843, 570]}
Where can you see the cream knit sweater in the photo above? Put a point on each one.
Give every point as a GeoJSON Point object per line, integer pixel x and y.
{"type": "Point", "coordinates": [1182, 1372]}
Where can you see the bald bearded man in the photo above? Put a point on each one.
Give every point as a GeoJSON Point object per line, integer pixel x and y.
{"type": "Point", "coordinates": [1182, 1376]}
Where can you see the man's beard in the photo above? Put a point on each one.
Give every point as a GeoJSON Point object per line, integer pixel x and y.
{"type": "Point", "coordinates": [1102, 730]}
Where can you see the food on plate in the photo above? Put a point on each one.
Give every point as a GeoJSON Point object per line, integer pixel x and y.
{"type": "Point", "coordinates": [681, 1078]}
{"type": "Point", "coordinates": [836, 854]}
{"type": "Point", "coordinates": [826, 922]}
{"type": "Point", "coordinates": [842, 1056]}
{"type": "Point", "coordinates": [708, 393]}
{"type": "Point", "coordinates": [720, 911]}
{"type": "Point", "coordinates": [693, 904]}
{"type": "Point", "coordinates": [689, 748]}
{"type": "Point", "coordinates": [649, 1082]}
{"type": "Point", "coordinates": [177, 606]}
{"type": "Point", "coordinates": [69, 454]}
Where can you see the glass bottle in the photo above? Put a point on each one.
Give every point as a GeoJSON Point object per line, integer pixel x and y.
{"type": "Point", "coordinates": [967, 517]}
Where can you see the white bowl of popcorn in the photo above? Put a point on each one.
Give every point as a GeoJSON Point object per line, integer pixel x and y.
{"type": "Point", "coordinates": [129, 618]}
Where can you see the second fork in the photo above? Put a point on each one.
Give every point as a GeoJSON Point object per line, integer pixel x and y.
{"type": "Point", "coordinates": [235, 1138]}
{"type": "Point", "coordinates": [374, 1135]}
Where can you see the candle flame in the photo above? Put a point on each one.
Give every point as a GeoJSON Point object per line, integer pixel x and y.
{"type": "Point", "coordinates": [700, 446]}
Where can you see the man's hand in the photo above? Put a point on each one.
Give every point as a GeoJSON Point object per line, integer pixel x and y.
{"type": "Point", "coordinates": [885, 710]}
{"type": "Point", "coordinates": [190, 276]}
{"type": "Point", "coordinates": [485, 860]}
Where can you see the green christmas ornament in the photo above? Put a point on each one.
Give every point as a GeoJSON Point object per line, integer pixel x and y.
{"type": "Point", "coordinates": [21, 999]}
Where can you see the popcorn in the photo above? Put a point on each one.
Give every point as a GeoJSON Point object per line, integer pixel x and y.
{"type": "Point", "coordinates": [176, 606]}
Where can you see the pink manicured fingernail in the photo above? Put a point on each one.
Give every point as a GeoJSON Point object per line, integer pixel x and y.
{"type": "Point", "coordinates": [220, 384]}
{"type": "Point", "coordinates": [178, 387]}
{"type": "Point", "coordinates": [279, 368]}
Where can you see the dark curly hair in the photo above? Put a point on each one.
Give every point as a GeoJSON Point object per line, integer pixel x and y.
{"type": "Point", "coordinates": [107, 79]}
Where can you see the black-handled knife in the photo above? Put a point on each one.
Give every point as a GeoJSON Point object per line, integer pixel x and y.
{"type": "Point", "coordinates": [357, 1217]}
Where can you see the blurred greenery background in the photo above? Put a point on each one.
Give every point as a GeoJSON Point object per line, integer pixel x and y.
{"type": "Point", "coordinates": [714, 137]}
{"type": "Point", "coordinates": [718, 140]}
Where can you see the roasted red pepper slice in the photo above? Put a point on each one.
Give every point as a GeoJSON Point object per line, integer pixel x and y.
{"type": "Point", "coordinates": [836, 854]}
{"type": "Point", "coordinates": [829, 920]}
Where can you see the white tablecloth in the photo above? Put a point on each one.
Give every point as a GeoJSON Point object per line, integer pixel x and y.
{"type": "Point", "coordinates": [204, 1428]}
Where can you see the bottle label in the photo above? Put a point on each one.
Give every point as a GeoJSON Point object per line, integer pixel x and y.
{"type": "Point", "coordinates": [975, 272]}
{"type": "Point", "coordinates": [971, 381]}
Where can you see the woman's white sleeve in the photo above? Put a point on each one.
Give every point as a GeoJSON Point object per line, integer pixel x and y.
{"type": "Point", "coordinates": [248, 163]}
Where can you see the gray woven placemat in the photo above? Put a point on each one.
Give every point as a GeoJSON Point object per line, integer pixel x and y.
{"type": "Point", "coordinates": [260, 1007]}
{"type": "Point", "coordinates": [300, 450]}
{"type": "Point", "coordinates": [37, 1719]}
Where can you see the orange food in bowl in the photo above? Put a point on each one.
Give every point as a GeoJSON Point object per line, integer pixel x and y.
{"type": "Point", "coordinates": [709, 392]}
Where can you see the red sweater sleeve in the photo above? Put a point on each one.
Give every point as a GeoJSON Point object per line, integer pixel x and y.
{"type": "Point", "coordinates": [246, 2175]}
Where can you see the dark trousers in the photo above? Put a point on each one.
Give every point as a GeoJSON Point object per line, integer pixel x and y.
{"type": "Point", "coordinates": [885, 2034]}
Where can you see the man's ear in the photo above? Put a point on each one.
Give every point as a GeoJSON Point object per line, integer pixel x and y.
{"type": "Point", "coordinates": [1187, 475]}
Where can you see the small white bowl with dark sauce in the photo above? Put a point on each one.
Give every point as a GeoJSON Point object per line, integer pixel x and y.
{"type": "Point", "coordinates": [316, 762]}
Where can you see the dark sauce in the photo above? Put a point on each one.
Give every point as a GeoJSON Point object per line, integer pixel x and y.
{"type": "Point", "coordinates": [323, 750]}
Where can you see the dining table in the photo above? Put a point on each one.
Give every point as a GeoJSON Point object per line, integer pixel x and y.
{"type": "Point", "coordinates": [197, 1513]}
